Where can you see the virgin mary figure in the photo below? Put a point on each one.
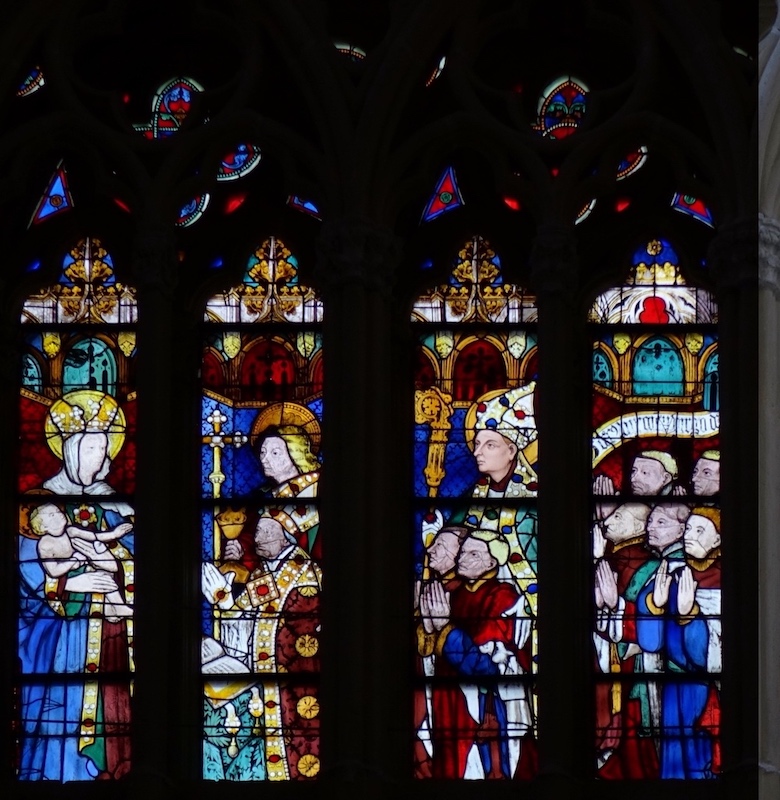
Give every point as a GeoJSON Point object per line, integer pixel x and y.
{"type": "Point", "coordinates": [77, 729]}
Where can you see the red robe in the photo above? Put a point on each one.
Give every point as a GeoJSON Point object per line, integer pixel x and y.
{"type": "Point", "coordinates": [477, 617]}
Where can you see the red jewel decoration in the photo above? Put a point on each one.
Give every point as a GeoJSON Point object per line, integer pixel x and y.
{"type": "Point", "coordinates": [263, 656]}
{"type": "Point", "coordinates": [299, 560]}
{"type": "Point", "coordinates": [51, 595]}
{"type": "Point", "coordinates": [96, 615]}
{"type": "Point", "coordinates": [271, 607]}
{"type": "Point", "coordinates": [533, 486]}
{"type": "Point", "coordinates": [270, 704]}
{"type": "Point", "coordinates": [520, 414]}
{"type": "Point", "coordinates": [91, 667]}
{"type": "Point", "coordinates": [130, 587]}
{"type": "Point", "coordinates": [274, 512]}
{"type": "Point", "coordinates": [84, 514]}
{"type": "Point", "coordinates": [275, 758]}
{"type": "Point", "coordinates": [88, 723]}
{"type": "Point", "coordinates": [262, 590]}
{"type": "Point", "coordinates": [221, 594]}
{"type": "Point", "coordinates": [482, 482]}
{"type": "Point", "coordinates": [514, 558]}
{"type": "Point", "coordinates": [481, 407]}
{"type": "Point", "coordinates": [300, 511]}
{"type": "Point", "coordinates": [430, 517]}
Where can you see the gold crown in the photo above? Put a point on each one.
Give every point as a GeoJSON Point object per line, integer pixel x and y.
{"type": "Point", "coordinates": [92, 415]}
{"type": "Point", "coordinates": [85, 411]}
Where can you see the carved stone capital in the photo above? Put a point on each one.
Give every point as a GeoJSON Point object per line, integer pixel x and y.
{"type": "Point", "coordinates": [733, 255]}
{"type": "Point", "coordinates": [769, 254]}
{"type": "Point", "coordinates": [554, 262]}
{"type": "Point", "coordinates": [154, 260]}
{"type": "Point", "coordinates": [355, 251]}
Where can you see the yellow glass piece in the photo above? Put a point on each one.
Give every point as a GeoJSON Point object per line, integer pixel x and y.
{"type": "Point", "coordinates": [309, 765]}
{"type": "Point", "coordinates": [621, 341]}
{"type": "Point", "coordinates": [307, 645]}
{"type": "Point", "coordinates": [51, 344]}
{"type": "Point", "coordinates": [308, 706]}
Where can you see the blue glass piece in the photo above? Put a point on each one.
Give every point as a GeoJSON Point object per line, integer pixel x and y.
{"type": "Point", "coordinates": [239, 163]}
{"type": "Point", "coordinates": [216, 263]}
{"type": "Point", "coordinates": [90, 364]}
{"type": "Point", "coordinates": [602, 370]}
{"type": "Point", "coordinates": [31, 374]}
{"type": "Point", "coordinates": [657, 370]}
{"type": "Point", "coordinates": [665, 254]}
{"type": "Point", "coordinates": [192, 211]}
{"type": "Point", "coordinates": [305, 206]}
{"type": "Point", "coordinates": [56, 198]}
{"type": "Point", "coordinates": [35, 265]}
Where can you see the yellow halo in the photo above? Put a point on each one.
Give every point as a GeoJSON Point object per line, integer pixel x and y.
{"type": "Point", "coordinates": [279, 415]}
{"type": "Point", "coordinates": [115, 430]}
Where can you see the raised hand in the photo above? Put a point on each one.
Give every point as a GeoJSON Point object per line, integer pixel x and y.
{"type": "Point", "coordinates": [217, 587]}
{"type": "Point", "coordinates": [606, 581]}
{"type": "Point", "coordinates": [663, 580]}
{"type": "Point", "coordinates": [686, 591]}
{"type": "Point", "coordinates": [233, 550]}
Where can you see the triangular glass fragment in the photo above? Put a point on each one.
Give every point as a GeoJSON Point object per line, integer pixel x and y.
{"type": "Point", "coordinates": [446, 196]}
{"type": "Point", "coordinates": [56, 199]}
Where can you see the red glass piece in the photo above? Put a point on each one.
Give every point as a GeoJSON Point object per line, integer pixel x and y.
{"type": "Point", "coordinates": [235, 202]}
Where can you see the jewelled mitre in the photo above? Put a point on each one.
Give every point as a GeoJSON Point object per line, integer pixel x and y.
{"type": "Point", "coordinates": [510, 414]}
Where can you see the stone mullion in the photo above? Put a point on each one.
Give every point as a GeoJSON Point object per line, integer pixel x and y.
{"type": "Point", "coordinates": [359, 506]}
{"type": "Point", "coordinates": [733, 258]}
{"type": "Point", "coordinates": [9, 408]}
{"type": "Point", "coordinates": [565, 688]}
{"type": "Point", "coordinates": [159, 494]}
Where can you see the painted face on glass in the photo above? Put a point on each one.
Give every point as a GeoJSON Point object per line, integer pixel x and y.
{"type": "Point", "coordinates": [663, 528]}
{"type": "Point", "coordinates": [706, 477]}
{"type": "Point", "coordinates": [269, 538]}
{"type": "Point", "coordinates": [494, 454]}
{"type": "Point", "coordinates": [648, 476]}
{"type": "Point", "coordinates": [443, 552]}
{"type": "Point", "coordinates": [701, 536]}
{"type": "Point", "coordinates": [474, 559]}
{"type": "Point", "coordinates": [275, 459]}
{"type": "Point", "coordinates": [621, 525]}
{"type": "Point", "coordinates": [50, 520]}
{"type": "Point", "coordinates": [93, 450]}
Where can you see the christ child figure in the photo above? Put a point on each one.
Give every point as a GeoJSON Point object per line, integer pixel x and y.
{"type": "Point", "coordinates": [63, 547]}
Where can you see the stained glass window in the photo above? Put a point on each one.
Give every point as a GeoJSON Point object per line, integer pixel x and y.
{"type": "Point", "coordinates": [261, 548]}
{"type": "Point", "coordinates": [76, 479]}
{"type": "Point", "coordinates": [656, 524]}
{"type": "Point", "coordinates": [474, 533]}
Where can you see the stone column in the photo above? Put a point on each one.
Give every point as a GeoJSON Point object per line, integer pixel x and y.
{"type": "Point", "coordinates": [159, 506]}
{"type": "Point", "coordinates": [10, 374]}
{"type": "Point", "coordinates": [361, 494]}
{"type": "Point", "coordinates": [565, 669]}
{"type": "Point", "coordinates": [768, 653]}
{"type": "Point", "coordinates": [732, 257]}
